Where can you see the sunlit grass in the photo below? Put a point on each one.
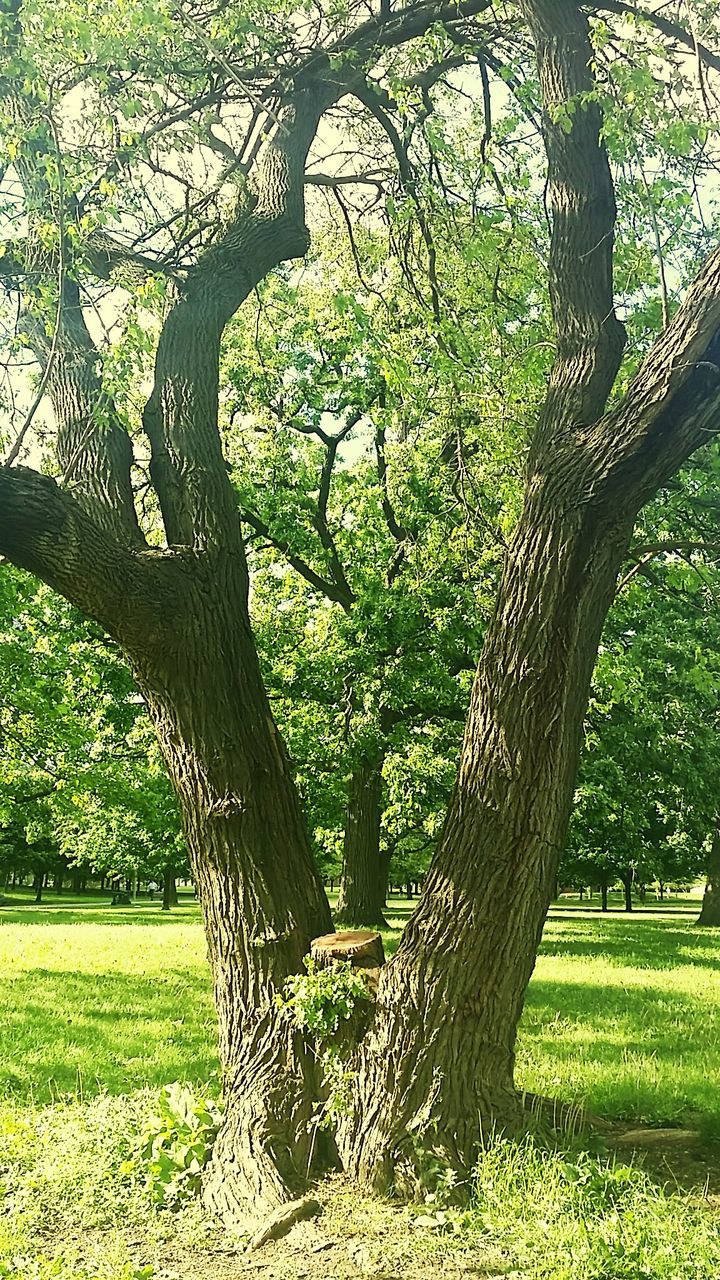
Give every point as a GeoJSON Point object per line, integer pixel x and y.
{"type": "Point", "coordinates": [622, 1013]}
{"type": "Point", "coordinates": [100, 1006]}
{"type": "Point", "coordinates": [89, 1006]}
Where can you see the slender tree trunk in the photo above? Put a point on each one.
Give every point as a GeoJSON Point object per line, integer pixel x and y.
{"type": "Point", "coordinates": [364, 875]}
{"type": "Point", "coordinates": [436, 1070]}
{"type": "Point", "coordinates": [710, 911]}
{"type": "Point", "coordinates": [38, 886]}
{"type": "Point", "coordinates": [604, 895]}
{"type": "Point", "coordinates": [627, 881]}
{"type": "Point", "coordinates": [262, 899]}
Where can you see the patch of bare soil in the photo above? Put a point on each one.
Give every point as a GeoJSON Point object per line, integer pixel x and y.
{"type": "Point", "coordinates": [357, 1237]}
{"type": "Point", "coordinates": [353, 1238]}
{"type": "Point", "coordinates": [681, 1160]}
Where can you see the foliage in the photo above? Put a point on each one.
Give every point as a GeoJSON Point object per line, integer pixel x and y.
{"type": "Point", "coordinates": [176, 1144]}
{"type": "Point", "coordinates": [81, 782]}
{"type": "Point", "coordinates": [323, 997]}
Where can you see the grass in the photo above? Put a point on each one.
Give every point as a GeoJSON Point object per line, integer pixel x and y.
{"type": "Point", "coordinates": [99, 1006]}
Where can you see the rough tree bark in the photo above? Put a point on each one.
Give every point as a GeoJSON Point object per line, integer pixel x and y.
{"type": "Point", "coordinates": [710, 910]}
{"type": "Point", "coordinates": [363, 887]}
{"type": "Point", "coordinates": [435, 1073]}
{"type": "Point", "coordinates": [262, 898]}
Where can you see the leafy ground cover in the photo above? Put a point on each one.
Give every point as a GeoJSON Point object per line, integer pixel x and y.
{"type": "Point", "coordinates": [101, 1006]}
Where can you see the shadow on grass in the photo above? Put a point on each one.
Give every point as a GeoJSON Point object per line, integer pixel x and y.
{"type": "Point", "coordinates": [645, 1053]}
{"type": "Point", "coordinates": [66, 1032]}
{"type": "Point", "coordinates": [98, 913]}
{"type": "Point", "coordinates": [650, 944]}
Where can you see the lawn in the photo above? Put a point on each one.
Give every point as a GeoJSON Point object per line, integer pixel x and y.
{"type": "Point", "coordinates": [100, 1006]}
{"type": "Point", "coordinates": [623, 1013]}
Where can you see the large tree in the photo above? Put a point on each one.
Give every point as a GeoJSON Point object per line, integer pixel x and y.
{"type": "Point", "coordinates": [125, 191]}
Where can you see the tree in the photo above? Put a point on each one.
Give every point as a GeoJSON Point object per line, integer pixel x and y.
{"type": "Point", "coordinates": [647, 790]}
{"type": "Point", "coordinates": [82, 787]}
{"type": "Point", "coordinates": [451, 997]}
{"type": "Point", "coordinates": [375, 619]}
{"type": "Point", "coordinates": [439, 1055]}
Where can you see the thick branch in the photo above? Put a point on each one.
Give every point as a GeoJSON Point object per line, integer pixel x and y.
{"type": "Point", "coordinates": [581, 197]}
{"type": "Point", "coordinates": [43, 530]}
{"type": "Point", "coordinates": [93, 448]}
{"type": "Point", "coordinates": [672, 406]}
{"type": "Point", "coordinates": [181, 418]}
{"type": "Point", "coordinates": [387, 31]}
{"type": "Point", "coordinates": [673, 30]}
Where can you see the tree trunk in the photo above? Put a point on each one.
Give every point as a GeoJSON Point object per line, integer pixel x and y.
{"type": "Point", "coordinates": [710, 911]}
{"type": "Point", "coordinates": [436, 1070]}
{"type": "Point", "coordinates": [627, 881]}
{"type": "Point", "coordinates": [604, 895]}
{"type": "Point", "coordinates": [38, 886]}
{"type": "Point", "coordinates": [169, 889]}
{"type": "Point", "coordinates": [363, 884]}
{"type": "Point", "coordinates": [263, 901]}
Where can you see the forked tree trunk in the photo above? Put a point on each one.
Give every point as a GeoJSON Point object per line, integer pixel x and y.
{"type": "Point", "coordinates": [262, 899]}
{"type": "Point", "coordinates": [710, 911]}
{"type": "Point", "coordinates": [436, 1069]}
{"type": "Point", "coordinates": [363, 886]}
{"type": "Point", "coordinates": [435, 1072]}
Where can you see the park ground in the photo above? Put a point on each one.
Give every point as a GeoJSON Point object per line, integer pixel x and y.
{"type": "Point", "coordinates": [100, 1007]}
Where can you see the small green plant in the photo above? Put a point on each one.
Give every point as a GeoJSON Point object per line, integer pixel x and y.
{"type": "Point", "coordinates": [338, 1082]}
{"type": "Point", "coordinates": [176, 1144]}
{"type": "Point", "coordinates": [321, 998]}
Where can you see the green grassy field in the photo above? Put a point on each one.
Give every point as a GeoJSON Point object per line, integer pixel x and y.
{"type": "Point", "coordinates": [100, 1006]}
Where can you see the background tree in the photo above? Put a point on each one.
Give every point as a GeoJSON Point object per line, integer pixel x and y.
{"type": "Point", "coordinates": [81, 782]}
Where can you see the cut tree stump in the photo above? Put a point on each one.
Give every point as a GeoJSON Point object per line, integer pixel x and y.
{"type": "Point", "coordinates": [363, 948]}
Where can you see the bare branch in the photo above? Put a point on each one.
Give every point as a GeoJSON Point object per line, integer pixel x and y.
{"type": "Point", "coordinates": [673, 30]}
{"type": "Point", "coordinates": [323, 585]}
